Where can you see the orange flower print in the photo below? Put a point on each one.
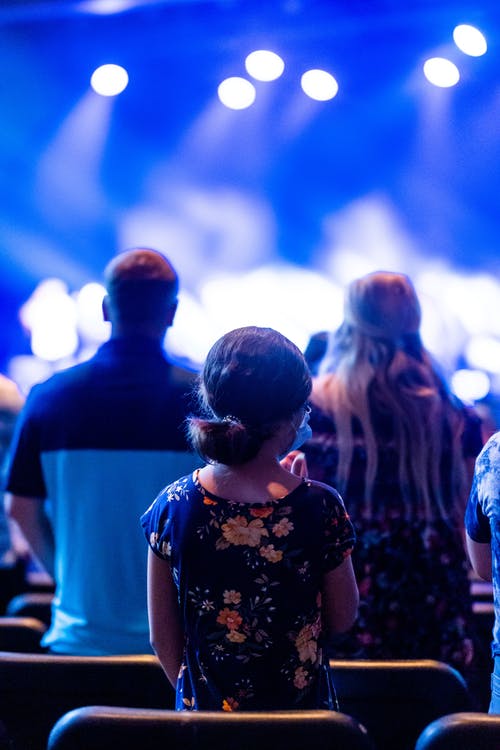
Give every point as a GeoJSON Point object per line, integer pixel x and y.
{"type": "Point", "coordinates": [236, 637]}
{"type": "Point", "coordinates": [263, 512]}
{"type": "Point", "coordinates": [208, 501]}
{"type": "Point", "coordinates": [229, 704]}
{"type": "Point", "coordinates": [283, 527]}
{"type": "Point", "coordinates": [230, 618]}
{"type": "Point", "coordinates": [271, 554]}
{"type": "Point", "coordinates": [300, 680]}
{"type": "Point", "coordinates": [232, 597]}
{"type": "Point", "coordinates": [238, 531]}
{"type": "Point", "coordinates": [306, 646]}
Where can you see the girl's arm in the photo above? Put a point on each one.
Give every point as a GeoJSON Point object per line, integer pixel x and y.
{"type": "Point", "coordinates": [165, 627]}
{"type": "Point", "coordinates": [340, 598]}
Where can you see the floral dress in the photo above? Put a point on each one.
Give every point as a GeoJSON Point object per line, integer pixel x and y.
{"type": "Point", "coordinates": [413, 575]}
{"type": "Point", "coordinates": [249, 579]}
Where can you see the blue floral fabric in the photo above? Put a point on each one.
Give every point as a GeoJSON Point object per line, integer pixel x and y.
{"type": "Point", "coordinates": [413, 575]}
{"type": "Point", "coordinates": [249, 578]}
{"type": "Point", "coordinates": [482, 517]}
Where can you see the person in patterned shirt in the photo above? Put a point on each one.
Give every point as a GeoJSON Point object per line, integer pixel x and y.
{"type": "Point", "coordinates": [249, 566]}
{"type": "Point", "coordinates": [482, 525]}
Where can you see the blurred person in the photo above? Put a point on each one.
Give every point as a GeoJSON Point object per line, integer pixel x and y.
{"type": "Point", "coordinates": [315, 350]}
{"type": "Point", "coordinates": [13, 550]}
{"type": "Point", "coordinates": [91, 444]}
{"type": "Point", "coordinates": [249, 565]}
{"type": "Point", "coordinates": [400, 448]}
{"type": "Point", "coordinates": [482, 524]}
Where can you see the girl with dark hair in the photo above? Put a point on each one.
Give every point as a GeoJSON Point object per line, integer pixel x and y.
{"type": "Point", "coordinates": [389, 435]}
{"type": "Point", "coordinates": [249, 565]}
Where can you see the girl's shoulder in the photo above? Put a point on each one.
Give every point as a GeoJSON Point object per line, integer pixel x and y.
{"type": "Point", "coordinates": [326, 492]}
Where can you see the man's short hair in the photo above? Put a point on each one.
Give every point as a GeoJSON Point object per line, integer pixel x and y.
{"type": "Point", "coordinates": [142, 285]}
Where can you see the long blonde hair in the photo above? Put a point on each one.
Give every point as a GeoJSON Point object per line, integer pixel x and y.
{"type": "Point", "coordinates": [376, 363]}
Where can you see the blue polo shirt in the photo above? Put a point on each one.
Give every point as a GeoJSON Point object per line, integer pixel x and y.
{"type": "Point", "coordinates": [97, 443]}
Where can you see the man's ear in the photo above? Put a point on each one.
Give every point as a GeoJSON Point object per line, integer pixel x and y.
{"type": "Point", "coordinates": [105, 308]}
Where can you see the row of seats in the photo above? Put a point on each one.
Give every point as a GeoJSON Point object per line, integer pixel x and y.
{"type": "Point", "coordinates": [104, 727]}
{"type": "Point", "coordinates": [393, 700]}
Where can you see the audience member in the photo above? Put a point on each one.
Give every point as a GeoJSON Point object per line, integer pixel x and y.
{"type": "Point", "coordinates": [249, 565]}
{"type": "Point", "coordinates": [12, 558]}
{"type": "Point", "coordinates": [400, 448]}
{"type": "Point", "coordinates": [92, 444]}
{"type": "Point", "coordinates": [482, 524]}
{"type": "Point", "coordinates": [315, 350]}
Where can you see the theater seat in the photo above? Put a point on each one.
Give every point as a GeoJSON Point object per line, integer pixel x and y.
{"type": "Point", "coordinates": [21, 634]}
{"type": "Point", "coordinates": [37, 689]}
{"type": "Point", "coordinates": [395, 700]}
{"type": "Point", "coordinates": [462, 731]}
{"type": "Point", "coordinates": [32, 604]}
{"type": "Point", "coordinates": [107, 728]}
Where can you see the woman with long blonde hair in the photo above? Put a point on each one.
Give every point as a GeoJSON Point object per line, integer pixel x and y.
{"type": "Point", "coordinates": [400, 448]}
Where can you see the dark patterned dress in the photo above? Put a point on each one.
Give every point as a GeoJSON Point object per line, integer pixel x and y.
{"type": "Point", "coordinates": [249, 578]}
{"type": "Point", "coordinates": [413, 575]}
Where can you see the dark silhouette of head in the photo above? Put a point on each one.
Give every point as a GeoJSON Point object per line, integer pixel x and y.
{"type": "Point", "coordinates": [142, 288]}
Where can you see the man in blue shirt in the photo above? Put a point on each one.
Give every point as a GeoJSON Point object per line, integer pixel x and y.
{"type": "Point", "coordinates": [93, 447]}
{"type": "Point", "coordinates": [482, 525]}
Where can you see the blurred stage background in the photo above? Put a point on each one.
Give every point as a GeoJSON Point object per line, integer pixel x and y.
{"type": "Point", "coordinates": [268, 211]}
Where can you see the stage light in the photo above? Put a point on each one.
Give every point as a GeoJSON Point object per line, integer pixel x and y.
{"type": "Point", "coordinates": [470, 40]}
{"type": "Point", "coordinates": [470, 385]}
{"type": "Point", "coordinates": [236, 93]}
{"type": "Point", "coordinates": [483, 352]}
{"type": "Point", "coordinates": [109, 80]}
{"type": "Point", "coordinates": [105, 7]}
{"type": "Point", "coordinates": [319, 85]}
{"type": "Point", "coordinates": [264, 65]}
{"type": "Point", "coordinates": [50, 316]}
{"type": "Point", "coordinates": [91, 325]}
{"type": "Point", "coordinates": [441, 72]}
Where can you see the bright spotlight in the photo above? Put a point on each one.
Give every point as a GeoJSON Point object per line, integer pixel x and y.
{"type": "Point", "coordinates": [50, 316]}
{"type": "Point", "coordinates": [441, 72]}
{"type": "Point", "coordinates": [236, 93]}
{"type": "Point", "coordinates": [470, 40]}
{"type": "Point", "coordinates": [106, 7]}
{"type": "Point", "coordinates": [109, 80]}
{"type": "Point", "coordinates": [319, 85]}
{"type": "Point", "coordinates": [91, 325]}
{"type": "Point", "coordinates": [483, 352]}
{"type": "Point", "coordinates": [470, 385]}
{"type": "Point", "coordinates": [264, 65]}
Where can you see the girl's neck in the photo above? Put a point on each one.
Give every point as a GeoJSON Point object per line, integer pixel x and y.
{"type": "Point", "coordinates": [260, 480]}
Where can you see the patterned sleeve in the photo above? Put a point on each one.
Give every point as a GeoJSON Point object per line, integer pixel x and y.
{"type": "Point", "coordinates": [339, 535]}
{"type": "Point", "coordinates": [484, 498]}
{"type": "Point", "coordinates": [476, 523]}
{"type": "Point", "coordinates": [156, 525]}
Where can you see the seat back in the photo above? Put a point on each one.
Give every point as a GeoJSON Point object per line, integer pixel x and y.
{"type": "Point", "coordinates": [106, 728]}
{"type": "Point", "coordinates": [462, 731]}
{"type": "Point", "coordinates": [395, 700]}
{"type": "Point", "coordinates": [37, 689]}
{"type": "Point", "coordinates": [32, 604]}
{"type": "Point", "coordinates": [21, 634]}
